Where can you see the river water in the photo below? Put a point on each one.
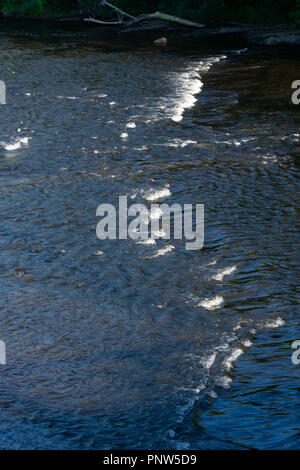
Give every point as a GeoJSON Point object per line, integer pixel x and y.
{"type": "Point", "coordinates": [121, 344]}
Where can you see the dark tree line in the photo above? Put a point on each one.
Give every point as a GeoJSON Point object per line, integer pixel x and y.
{"type": "Point", "coordinates": [285, 12]}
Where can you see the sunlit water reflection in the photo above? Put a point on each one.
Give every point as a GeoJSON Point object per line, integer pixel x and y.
{"type": "Point", "coordinates": [126, 344]}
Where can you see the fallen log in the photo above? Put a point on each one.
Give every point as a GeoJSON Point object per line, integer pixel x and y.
{"type": "Point", "coordinates": [175, 19]}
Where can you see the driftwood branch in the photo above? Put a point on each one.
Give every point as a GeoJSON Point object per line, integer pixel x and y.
{"type": "Point", "coordinates": [104, 3]}
{"type": "Point", "coordinates": [130, 20]}
{"type": "Point", "coordinates": [93, 20]}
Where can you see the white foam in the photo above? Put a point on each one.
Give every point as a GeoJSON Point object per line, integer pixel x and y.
{"type": "Point", "coordinates": [212, 303]}
{"type": "Point", "coordinates": [188, 85]}
{"type": "Point", "coordinates": [163, 251]}
{"type": "Point", "coordinates": [124, 135]}
{"type": "Point", "coordinates": [191, 87]}
{"type": "Point", "coordinates": [16, 144]}
{"type": "Point", "coordinates": [208, 361]}
{"type": "Point", "coordinates": [247, 343]}
{"type": "Point", "coordinates": [224, 381]}
{"type": "Point", "coordinates": [275, 323]}
{"type": "Point", "coordinates": [179, 143]}
{"type": "Point", "coordinates": [211, 263]}
{"type": "Point", "coordinates": [149, 241]}
{"type": "Point", "coordinates": [235, 354]}
{"type": "Point", "coordinates": [159, 194]}
{"type": "Point", "coordinates": [221, 274]}
{"type": "Point", "coordinates": [130, 125]}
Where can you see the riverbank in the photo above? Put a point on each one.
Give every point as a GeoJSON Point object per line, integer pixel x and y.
{"type": "Point", "coordinates": [217, 36]}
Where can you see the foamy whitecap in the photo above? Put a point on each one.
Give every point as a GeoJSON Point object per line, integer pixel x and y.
{"type": "Point", "coordinates": [149, 241]}
{"type": "Point", "coordinates": [247, 343]}
{"type": "Point", "coordinates": [269, 158]}
{"type": "Point", "coordinates": [159, 194]}
{"type": "Point", "coordinates": [163, 251]}
{"type": "Point", "coordinates": [229, 361]}
{"type": "Point", "coordinates": [191, 88]}
{"type": "Point", "coordinates": [278, 322]}
{"type": "Point", "coordinates": [187, 142]}
{"type": "Point", "coordinates": [130, 125]}
{"type": "Point", "coordinates": [188, 85]}
{"type": "Point", "coordinates": [221, 274]}
{"type": "Point", "coordinates": [16, 144]}
{"type": "Point", "coordinates": [208, 361]}
{"type": "Point", "coordinates": [124, 135]}
{"type": "Point", "coordinates": [211, 263]}
{"type": "Point", "coordinates": [224, 381]}
{"type": "Point", "coordinates": [179, 143]}
{"type": "Point", "coordinates": [212, 303]}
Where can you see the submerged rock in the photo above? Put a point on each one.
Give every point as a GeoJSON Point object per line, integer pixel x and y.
{"type": "Point", "coordinates": [161, 41]}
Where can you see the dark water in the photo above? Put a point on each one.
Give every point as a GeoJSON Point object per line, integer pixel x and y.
{"type": "Point", "coordinates": [116, 344]}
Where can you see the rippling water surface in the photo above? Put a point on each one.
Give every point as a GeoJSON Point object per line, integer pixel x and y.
{"type": "Point", "coordinates": [120, 344]}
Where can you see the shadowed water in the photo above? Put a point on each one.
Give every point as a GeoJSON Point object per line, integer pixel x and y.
{"type": "Point", "coordinates": [119, 344]}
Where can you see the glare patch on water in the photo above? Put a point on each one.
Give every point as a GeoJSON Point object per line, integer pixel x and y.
{"type": "Point", "coordinates": [163, 251]}
{"type": "Point", "coordinates": [211, 303]}
{"type": "Point", "coordinates": [18, 143]}
{"type": "Point", "coordinates": [226, 272]}
{"type": "Point", "coordinates": [224, 381]}
{"type": "Point", "coordinates": [211, 263]}
{"type": "Point", "coordinates": [229, 361]}
{"type": "Point", "coordinates": [67, 97]}
{"type": "Point", "coordinates": [235, 142]}
{"type": "Point", "coordinates": [188, 85]}
{"type": "Point", "coordinates": [247, 343]}
{"type": "Point", "coordinates": [191, 85]}
{"type": "Point", "coordinates": [277, 323]}
{"type": "Point", "coordinates": [158, 194]}
{"type": "Point", "coordinates": [131, 125]}
{"type": "Point", "coordinates": [143, 148]}
{"type": "Point", "coordinates": [149, 241]}
{"type": "Point", "coordinates": [179, 143]}
{"type": "Point", "coordinates": [208, 361]}
{"type": "Point", "coordinates": [269, 158]}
